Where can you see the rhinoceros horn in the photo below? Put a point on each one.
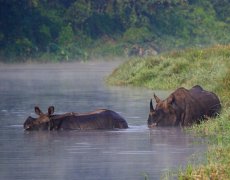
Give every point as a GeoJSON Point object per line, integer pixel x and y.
{"type": "Point", "coordinates": [151, 105]}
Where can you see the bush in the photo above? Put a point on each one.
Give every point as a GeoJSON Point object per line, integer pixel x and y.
{"type": "Point", "coordinates": [137, 35]}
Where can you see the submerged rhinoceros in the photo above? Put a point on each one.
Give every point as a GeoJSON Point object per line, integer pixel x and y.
{"type": "Point", "coordinates": [99, 119]}
{"type": "Point", "coordinates": [184, 107]}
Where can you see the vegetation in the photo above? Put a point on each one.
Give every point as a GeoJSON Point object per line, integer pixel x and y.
{"type": "Point", "coordinates": [166, 71]}
{"type": "Point", "coordinates": [218, 156]}
{"type": "Point", "coordinates": [64, 30]}
{"type": "Point", "coordinates": [210, 68]}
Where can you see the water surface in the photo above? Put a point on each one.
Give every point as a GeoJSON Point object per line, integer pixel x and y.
{"type": "Point", "coordinates": [90, 155]}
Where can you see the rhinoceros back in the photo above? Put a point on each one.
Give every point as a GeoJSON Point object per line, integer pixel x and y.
{"type": "Point", "coordinates": [209, 101]}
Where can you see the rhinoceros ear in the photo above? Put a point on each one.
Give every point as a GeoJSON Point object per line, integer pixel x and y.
{"type": "Point", "coordinates": [151, 106]}
{"type": "Point", "coordinates": [171, 103]}
{"type": "Point", "coordinates": [156, 98]}
{"type": "Point", "coordinates": [38, 111]}
{"type": "Point", "coordinates": [50, 110]}
{"type": "Point", "coordinates": [171, 99]}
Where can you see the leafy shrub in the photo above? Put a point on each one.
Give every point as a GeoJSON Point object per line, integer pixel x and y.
{"type": "Point", "coordinates": [137, 35]}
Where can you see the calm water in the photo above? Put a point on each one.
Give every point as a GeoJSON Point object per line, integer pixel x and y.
{"type": "Point", "coordinates": [86, 155]}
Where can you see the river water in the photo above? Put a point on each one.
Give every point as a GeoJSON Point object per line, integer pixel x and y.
{"type": "Point", "coordinates": [134, 153]}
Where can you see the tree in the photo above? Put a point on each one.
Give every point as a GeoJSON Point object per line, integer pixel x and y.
{"type": "Point", "coordinates": [78, 12]}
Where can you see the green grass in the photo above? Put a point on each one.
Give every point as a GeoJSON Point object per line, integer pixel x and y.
{"type": "Point", "coordinates": [218, 155]}
{"type": "Point", "coordinates": [210, 68]}
{"type": "Point", "coordinates": [167, 71]}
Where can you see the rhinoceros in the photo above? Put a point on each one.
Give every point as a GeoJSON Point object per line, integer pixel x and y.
{"type": "Point", "coordinates": [98, 119]}
{"type": "Point", "coordinates": [184, 107]}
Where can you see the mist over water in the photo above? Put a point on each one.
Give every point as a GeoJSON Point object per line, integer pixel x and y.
{"type": "Point", "coordinates": [89, 155]}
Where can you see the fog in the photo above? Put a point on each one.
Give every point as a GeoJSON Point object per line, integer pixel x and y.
{"type": "Point", "coordinates": [79, 87]}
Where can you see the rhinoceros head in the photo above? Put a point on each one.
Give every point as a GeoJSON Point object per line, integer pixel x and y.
{"type": "Point", "coordinates": [164, 114]}
{"type": "Point", "coordinates": [41, 122]}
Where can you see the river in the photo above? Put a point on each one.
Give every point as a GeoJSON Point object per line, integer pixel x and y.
{"type": "Point", "coordinates": [134, 153]}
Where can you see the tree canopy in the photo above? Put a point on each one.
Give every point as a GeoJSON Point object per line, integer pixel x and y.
{"type": "Point", "coordinates": [71, 29]}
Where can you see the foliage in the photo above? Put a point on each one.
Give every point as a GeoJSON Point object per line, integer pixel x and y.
{"type": "Point", "coordinates": [166, 24]}
{"type": "Point", "coordinates": [137, 35]}
{"type": "Point", "coordinates": [218, 157]}
{"type": "Point", "coordinates": [78, 12]}
{"type": "Point", "coordinates": [166, 71]}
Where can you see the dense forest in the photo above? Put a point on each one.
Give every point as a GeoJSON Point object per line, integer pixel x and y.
{"type": "Point", "coordinates": [64, 30]}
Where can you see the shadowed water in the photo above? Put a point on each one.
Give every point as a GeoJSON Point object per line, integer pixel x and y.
{"type": "Point", "coordinates": [91, 155]}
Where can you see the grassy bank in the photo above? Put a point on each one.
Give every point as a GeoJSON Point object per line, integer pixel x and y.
{"type": "Point", "coordinates": [210, 68]}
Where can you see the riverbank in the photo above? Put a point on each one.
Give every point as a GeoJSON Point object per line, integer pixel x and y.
{"type": "Point", "coordinates": [210, 68]}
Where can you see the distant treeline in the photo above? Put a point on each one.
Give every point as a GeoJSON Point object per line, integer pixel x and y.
{"type": "Point", "coordinates": [80, 29]}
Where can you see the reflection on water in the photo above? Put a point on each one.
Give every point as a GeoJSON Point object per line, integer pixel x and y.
{"type": "Point", "coordinates": [90, 155]}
